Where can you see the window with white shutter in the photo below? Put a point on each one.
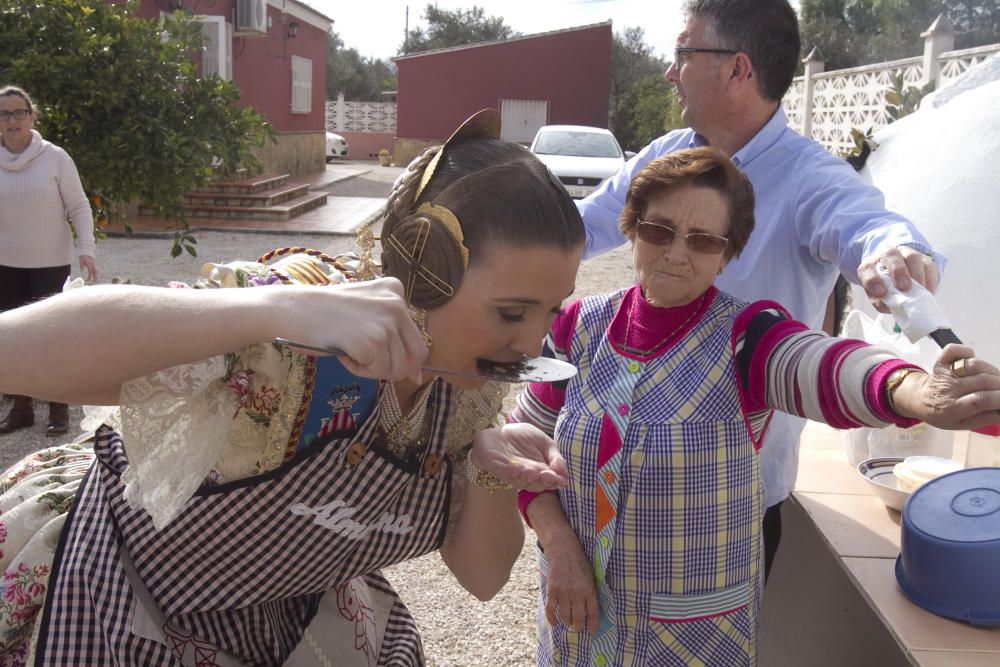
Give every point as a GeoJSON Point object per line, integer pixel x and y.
{"type": "Point", "coordinates": [301, 85]}
{"type": "Point", "coordinates": [216, 56]}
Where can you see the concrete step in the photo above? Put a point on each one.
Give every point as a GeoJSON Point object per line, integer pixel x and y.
{"type": "Point", "coordinates": [250, 185]}
{"type": "Point", "coordinates": [285, 210]}
{"type": "Point", "coordinates": [253, 199]}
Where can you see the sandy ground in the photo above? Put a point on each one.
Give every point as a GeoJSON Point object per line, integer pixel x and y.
{"type": "Point", "coordinates": [457, 629]}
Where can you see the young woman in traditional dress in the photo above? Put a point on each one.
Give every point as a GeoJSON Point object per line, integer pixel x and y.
{"type": "Point", "coordinates": [245, 495]}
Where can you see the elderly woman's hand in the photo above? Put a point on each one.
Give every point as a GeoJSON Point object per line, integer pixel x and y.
{"type": "Point", "coordinates": [963, 392]}
{"type": "Point", "coordinates": [521, 455]}
{"type": "Point", "coordinates": [570, 591]}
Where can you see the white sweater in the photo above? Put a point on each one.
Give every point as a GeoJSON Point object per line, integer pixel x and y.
{"type": "Point", "coordinates": [39, 189]}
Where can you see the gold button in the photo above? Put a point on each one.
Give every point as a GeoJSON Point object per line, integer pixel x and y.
{"type": "Point", "coordinates": [356, 452]}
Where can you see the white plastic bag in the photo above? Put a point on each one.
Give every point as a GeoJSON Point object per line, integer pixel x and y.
{"type": "Point", "coordinates": [919, 440]}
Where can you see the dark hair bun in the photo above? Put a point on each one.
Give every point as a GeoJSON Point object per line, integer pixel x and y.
{"type": "Point", "coordinates": [421, 252]}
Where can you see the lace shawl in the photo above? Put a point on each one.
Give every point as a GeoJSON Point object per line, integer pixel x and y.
{"type": "Point", "coordinates": [233, 416]}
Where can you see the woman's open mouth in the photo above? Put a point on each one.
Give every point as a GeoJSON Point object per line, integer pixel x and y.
{"type": "Point", "coordinates": [503, 368]}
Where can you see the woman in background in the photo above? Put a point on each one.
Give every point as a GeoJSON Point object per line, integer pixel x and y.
{"type": "Point", "coordinates": [39, 190]}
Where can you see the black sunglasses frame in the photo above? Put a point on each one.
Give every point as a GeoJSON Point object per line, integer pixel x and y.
{"type": "Point", "coordinates": [711, 241]}
{"type": "Point", "coordinates": [19, 114]}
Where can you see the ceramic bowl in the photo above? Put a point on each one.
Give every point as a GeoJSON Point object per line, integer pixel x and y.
{"type": "Point", "coordinates": [950, 546]}
{"type": "Point", "coordinates": [878, 473]}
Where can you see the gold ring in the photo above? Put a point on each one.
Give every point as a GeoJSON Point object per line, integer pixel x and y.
{"type": "Point", "coordinates": [960, 368]}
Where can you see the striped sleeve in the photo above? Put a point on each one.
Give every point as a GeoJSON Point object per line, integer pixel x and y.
{"type": "Point", "coordinates": [540, 402]}
{"type": "Point", "coordinates": [786, 366]}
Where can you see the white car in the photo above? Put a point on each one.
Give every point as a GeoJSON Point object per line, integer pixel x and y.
{"type": "Point", "coordinates": [581, 157]}
{"type": "Point", "coordinates": [336, 146]}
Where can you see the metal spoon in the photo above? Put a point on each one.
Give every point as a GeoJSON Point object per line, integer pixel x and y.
{"type": "Point", "coordinates": [539, 369]}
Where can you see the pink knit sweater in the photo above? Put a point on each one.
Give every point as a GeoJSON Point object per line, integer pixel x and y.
{"type": "Point", "coordinates": [39, 190]}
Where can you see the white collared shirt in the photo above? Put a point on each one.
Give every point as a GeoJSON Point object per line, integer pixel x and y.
{"type": "Point", "coordinates": [815, 218]}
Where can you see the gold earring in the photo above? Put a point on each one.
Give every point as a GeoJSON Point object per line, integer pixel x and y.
{"type": "Point", "coordinates": [419, 317]}
{"type": "Point", "coordinates": [367, 269]}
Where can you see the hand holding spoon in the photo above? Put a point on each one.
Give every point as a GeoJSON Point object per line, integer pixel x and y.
{"type": "Point", "coordinates": [539, 369]}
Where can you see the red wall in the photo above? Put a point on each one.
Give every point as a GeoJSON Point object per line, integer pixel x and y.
{"type": "Point", "coordinates": [571, 69]}
{"type": "Point", "coordinates": [262, 64]}
{"type": "Point", "coordinates": [263, 68]}
{"type": "Point", "coordinates": [366, 145]}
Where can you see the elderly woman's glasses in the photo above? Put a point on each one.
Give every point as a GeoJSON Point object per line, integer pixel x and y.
{"type": "Point", "coordinates": [657, 234]}
{"type": "Point", "coordinates": [680, 53]}
{"type": "Point", "coordinates": [19, 114]}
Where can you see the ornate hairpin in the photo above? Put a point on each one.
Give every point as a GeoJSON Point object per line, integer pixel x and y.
{"type": "Point", "coordinates": [450, 223]}
{"type": "Point", "coordinates": [484, 124]}
{"type": "Point", "coordinates": [413, 256]}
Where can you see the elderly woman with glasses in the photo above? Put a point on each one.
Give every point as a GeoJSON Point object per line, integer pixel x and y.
{"type": "Point", "coordinates": [652, 552]}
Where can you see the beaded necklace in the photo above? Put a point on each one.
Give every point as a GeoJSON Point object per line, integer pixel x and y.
{"type": "Point", "coordinates": [663, 341]}
{"type": "Point", "coordinates": [402, 430]}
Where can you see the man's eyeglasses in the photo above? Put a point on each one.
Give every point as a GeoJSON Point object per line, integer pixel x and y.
{"type": "Point", "coordinates": [19, 114]}
{"type": "Point", "coordinates": [657, 234]}
{"type": "Point", "coordinates": [681, 52]}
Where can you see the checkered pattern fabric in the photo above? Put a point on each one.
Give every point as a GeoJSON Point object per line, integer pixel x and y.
{"type": "Point", "coordinates": [244, 566]}
{"type": "Point", "coordinates": [665, 496]}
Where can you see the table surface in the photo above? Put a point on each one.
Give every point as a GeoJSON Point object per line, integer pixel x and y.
{"type": "Point", "coordinates": [864, 534]}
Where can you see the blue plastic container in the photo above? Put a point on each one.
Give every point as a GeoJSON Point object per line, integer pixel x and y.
{"type": "Point", "coordinates": [949, 561]}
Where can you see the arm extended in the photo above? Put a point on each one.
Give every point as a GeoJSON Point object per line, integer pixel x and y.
{"type": "Point", "coordinates": [842, 382]}
{"type": "Point", "coordinates": [81, 345]}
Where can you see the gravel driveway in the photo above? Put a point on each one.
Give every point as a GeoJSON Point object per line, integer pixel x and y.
{"type": "Point", "coordinates": [458, 630]}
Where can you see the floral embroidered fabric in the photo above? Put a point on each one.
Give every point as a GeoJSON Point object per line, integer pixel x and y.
{"type": "Point", "coordinates": [35, 495]}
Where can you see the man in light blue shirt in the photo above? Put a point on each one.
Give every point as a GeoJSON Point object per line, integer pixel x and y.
{"type": "Point", "coordinates": [815, 218]}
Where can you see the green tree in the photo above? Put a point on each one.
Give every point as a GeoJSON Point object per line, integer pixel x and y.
{"type": "Point", "coordinates": [357, 77]}
{"type": "Point", "coordinates": [447, 28]}
{"type": "Point", "coordinates": [823, 25]}
{"type": "Point", "coordinates": [856, 32]}
{"type": "Point", "coordinates": [642, 102]}
{"type": "Point", "coordinates": [977, 22]}
{"type": "Point", "coordinates": [122, 95]}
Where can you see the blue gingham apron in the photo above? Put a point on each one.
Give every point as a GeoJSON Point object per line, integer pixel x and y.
{"type": "Point", "coordinates": [665, 496]}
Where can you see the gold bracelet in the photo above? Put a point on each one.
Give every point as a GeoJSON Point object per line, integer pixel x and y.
{"type": "Point", "coordinates": [483, 479]}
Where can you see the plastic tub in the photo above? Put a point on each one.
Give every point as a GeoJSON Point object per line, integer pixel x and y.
{"type": "Point", "coordinates": [915, 471]}
{"type": "Point", "coordinates": [950, 546]}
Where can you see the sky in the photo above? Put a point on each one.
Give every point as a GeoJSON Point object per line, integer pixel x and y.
{"type": "Point", "coordinates": [376, 27]}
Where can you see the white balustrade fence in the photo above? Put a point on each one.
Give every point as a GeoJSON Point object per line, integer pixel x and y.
{"type": "Point", "coordinates": [344, 116]}
{"type": "Point", "coordinates": [827, 105]}
{"type": "Point", "coordinates": [822, 105]}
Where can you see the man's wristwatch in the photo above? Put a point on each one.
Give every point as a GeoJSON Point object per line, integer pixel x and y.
{"type": "Point", "coordinates": [892, 384]}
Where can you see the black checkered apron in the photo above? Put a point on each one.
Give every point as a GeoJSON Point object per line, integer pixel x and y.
{"type": "Point", "coordinates": [244, 565]}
